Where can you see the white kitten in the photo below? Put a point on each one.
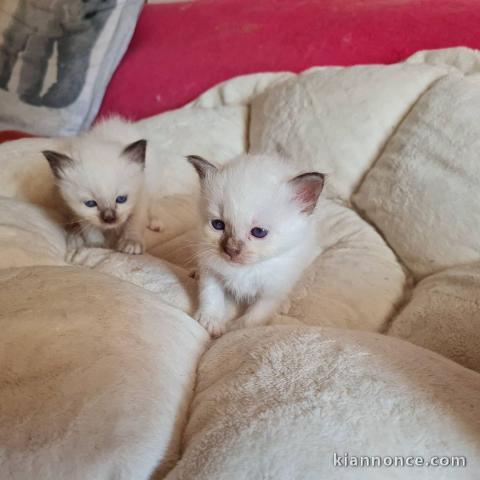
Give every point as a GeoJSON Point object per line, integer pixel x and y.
{"type": "Point", "coordinates": [101, 178]}
{"type": "Point", "coordinates": [257, 236]}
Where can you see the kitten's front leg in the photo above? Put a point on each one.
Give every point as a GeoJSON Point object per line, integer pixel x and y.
{"type": "Point", "coordinates": [131, 240]}
{"type": "Point", "coordinates": [84, 236]}
{"type": "Point", "coordinates": [211, 313]}
{"type": "Point", "coordinates": [93, 237]}
{"type": "Point", "coordinates": [258, 313]}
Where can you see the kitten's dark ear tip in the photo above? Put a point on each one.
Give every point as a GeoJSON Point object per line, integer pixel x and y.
{"type": "Point", "coordinates": [49, 154]}
{"type": "Point", "coordinates": [201, 165]}
{"type": "Point", "coordinates": [136, 151]}
{"type": "Point", "coordinates": [57, 161]}
{"type": "Point", "coordinates": [194, 158]}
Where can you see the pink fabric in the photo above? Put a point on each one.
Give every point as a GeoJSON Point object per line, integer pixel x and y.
{"type": "Point", "coordinates": [181, 49]}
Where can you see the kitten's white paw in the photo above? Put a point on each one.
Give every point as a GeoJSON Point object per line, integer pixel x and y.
{"type": "Point", "coordinates": [156, 225]}
{"type": "Point", "coordinates": [213, 325]}
{"type": "Point", "coordinates": [130, 246]}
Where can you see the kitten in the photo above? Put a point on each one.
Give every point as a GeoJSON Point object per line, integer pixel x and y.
{"type": "Point", "coordinates": [101, 179]}
{"type": "Point", "coordinates": [258, 236]}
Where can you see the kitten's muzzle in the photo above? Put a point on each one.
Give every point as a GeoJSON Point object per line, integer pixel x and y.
{"type": "Point", "coordinates": [232, 247]}
{"type": "Point", "coordinates": [108, 215]}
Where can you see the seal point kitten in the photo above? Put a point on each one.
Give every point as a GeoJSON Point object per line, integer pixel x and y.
{"type": "Point", "coordinates": [101, 179]}
{"type": "Point", "coordinates": [258, 236]}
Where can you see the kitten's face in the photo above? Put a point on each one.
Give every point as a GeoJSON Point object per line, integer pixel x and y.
{"type": "Point", "coordinates": [253, 210]}
{"type": "Point", "coordinates": [100, 181]}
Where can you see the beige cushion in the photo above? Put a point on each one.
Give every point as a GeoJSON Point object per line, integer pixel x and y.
{"type": "Point", "coordinates": [93, 382]}
{"type": "Point", "coordinates": [29, 235]}
{"type": "Point", "coordinates": [239, 90]}
{"type": "Point", "coordinates": [278, 402]}
{"type": "Point", "coordinates": [355, 283]}
{"type": "Point", "coordinates": [444, 315]}
{"type": "Point", "coordinates": [171, 283]}
{"type": "Point", "coordinates": [424, 191]}
{"type": "Point", "coordinates": [337, 120]}
{"type": "Point", "coordinates": [461, 59]}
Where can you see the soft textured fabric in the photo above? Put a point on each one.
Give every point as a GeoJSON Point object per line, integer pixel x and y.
{"type": "Point", "coordinates": [56, 59]}
{"type": "Point", "coordinates": [355, 283]}
{"type": "Point", "coordinates": [310, 117]}
{"type": "Point", "coordinates": [276, 401]}
{"type": "Point", "coordinates": [171, 283]}
{"type": "Point", "coordinates": [93, 384]}
{"type": "Point", "coordinates": [29, 235]}
{"type": "Point", "coordinates": [424, 192]}
{"type": "Point", "coordinates": [444, 315]}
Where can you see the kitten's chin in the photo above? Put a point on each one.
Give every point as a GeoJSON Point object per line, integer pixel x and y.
{"type": "Point", "coordinates": [237, 261]}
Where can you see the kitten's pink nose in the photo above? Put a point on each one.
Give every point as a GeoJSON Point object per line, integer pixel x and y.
{"type": "Point", "coordinates": [232, 247]}
{"type": "Point", "coordinates": [108, 215]}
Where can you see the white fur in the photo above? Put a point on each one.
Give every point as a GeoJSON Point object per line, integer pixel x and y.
{"type": "Point", "coordinates": [101, 172]}
{"type": "Point", "coordinates": [251, 191]}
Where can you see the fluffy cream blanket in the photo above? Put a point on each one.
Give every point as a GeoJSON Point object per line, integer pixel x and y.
{"type": "Point", "coordinates": [101, 367]}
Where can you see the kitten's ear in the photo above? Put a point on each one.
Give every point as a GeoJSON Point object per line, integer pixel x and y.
{"type": "Point", "coordinates": [57, 161]}
{"type": "Point", "coordinates": [136, 151]}
{"type": "Point", "coordinates": [201, 165]}
{"type": "Point", "coordinates": [307, 188]}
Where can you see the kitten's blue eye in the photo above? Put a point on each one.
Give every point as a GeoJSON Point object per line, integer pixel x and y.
{"type": "Point", "coordinates": [121, 199]}
{"type": "Point", "coordinates": [90, 203]}
{"type": "Point", "coordinates": [259, 232]}
{"type": "Point", "coordinates": [218, 224]}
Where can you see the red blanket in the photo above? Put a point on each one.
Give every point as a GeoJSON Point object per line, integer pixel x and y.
{"type": "Point", "coordinates": [181, 49]}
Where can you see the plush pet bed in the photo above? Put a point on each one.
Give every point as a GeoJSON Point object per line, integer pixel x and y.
{"type": "Point", "coordinates": [104, 373]}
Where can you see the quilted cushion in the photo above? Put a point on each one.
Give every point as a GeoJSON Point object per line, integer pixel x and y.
{"type": "Point", "coordinates": [81, 349]}
{"type": "Point", "coordinates": [356, 282]}
{"type": "Point", "coordinates": [336, 120]}
{"type": "Point", "coordinates": [29, 235]}
{"type": "Point", "coordinates": [279, 402]}
{"type": "Point", "coordinates": [444, 315]}
{"type": "Point", "coordinates": [424, 191]}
